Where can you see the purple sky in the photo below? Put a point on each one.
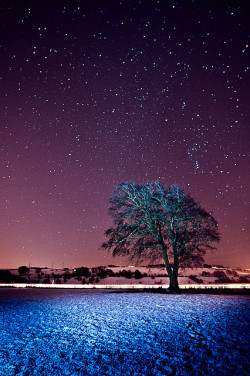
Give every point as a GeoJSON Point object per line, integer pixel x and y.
{"type": "Point", "coordinates": [94, 93]}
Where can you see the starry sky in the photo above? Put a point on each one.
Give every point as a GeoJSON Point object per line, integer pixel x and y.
{"type": "Point", "coordinates": [94, 93]}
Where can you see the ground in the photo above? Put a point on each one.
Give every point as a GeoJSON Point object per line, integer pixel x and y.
{"type": "Point", "coordinates": [90, 333]}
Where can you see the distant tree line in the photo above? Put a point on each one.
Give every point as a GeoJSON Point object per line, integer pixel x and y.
{"type": "Point", "coordinates": [87, 275]}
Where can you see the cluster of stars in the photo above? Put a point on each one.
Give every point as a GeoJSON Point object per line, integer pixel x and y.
{"type": "Point", "coordinates": [95, 94]}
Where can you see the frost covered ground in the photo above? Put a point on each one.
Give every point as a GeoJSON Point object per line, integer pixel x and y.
{"type": "Point", "coordinates": [58, 332]}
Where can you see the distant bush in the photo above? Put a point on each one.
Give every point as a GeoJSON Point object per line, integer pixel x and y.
{"type": "Point", "coordinates": [232, 273]}
{"type": "Point", "coordinates": [161, 275]}
{"type": "Point", "coordinates": [138, 274]}
{"type": "Point", "coordinates": [83, 272]}
{"type": "Point", "coordinates": [223, 279]}
{"type": "Point", "coordinates": [66, 275]}
{"type": "Point", "coordinates": [205, 274]}
{"type": "Point", "coordinates": [110, 272]}
{"type": "Point", "coordinates": [219, 273]}
{"type": "Point", "coordinates": [195, 279]}
{"type": "Point", "coordinates": [101, 272]}
{"type": "Point", "coordinates": [126, 273]}
{"type": "Point", "coordinates": [57, 275]}
{"type": "Point", "coordinates": [6, 276]}
{"type": "Point", "coordinates": [91, 279]}
{"type": "Point", "coordinates": [244, 280]}
{"type": "Point", "coordinates": [23, 270]}
{"type": "Point", "coordinates": [156, 266]}
{"type": "Point", "coordinates": [207, 266]}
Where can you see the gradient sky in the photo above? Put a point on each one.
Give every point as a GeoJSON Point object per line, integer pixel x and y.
{"type": "Point", "coordinates": [94, 93]}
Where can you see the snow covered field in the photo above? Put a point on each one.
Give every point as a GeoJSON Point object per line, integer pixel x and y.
{"type": "Point", "coordinates": [85, 332]}
{"type": "Point", "coordinates": [115, 275]}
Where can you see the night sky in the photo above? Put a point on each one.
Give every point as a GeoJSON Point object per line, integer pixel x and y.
{"type": "Point", "coordinates": [94, 93]}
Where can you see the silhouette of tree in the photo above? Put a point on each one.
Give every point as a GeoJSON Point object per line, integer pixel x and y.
{"type": "Point", "coordinates": [152, 222]}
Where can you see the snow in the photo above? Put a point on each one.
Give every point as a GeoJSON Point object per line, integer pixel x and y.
{"type": "Point", "coordinates": [85, 332]}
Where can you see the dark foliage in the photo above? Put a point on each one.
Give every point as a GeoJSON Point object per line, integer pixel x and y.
{"type": "Point", "coordinates": [126, 273]}
{"type": "Point", "coordinates": [91, 279]}
{"type": "Point", "coordinates": [244, 279]}
{"type": "Point", "coordinates": [207, 266]}
{"type": "Point", "coordinates": [110, 272]}
{"type": "Point", "coordinates": [66, 275]}
{"type": "Point", "coordinates": [223, 279]}
{"type": "Point", "coordinates": [233, 273]}
{"type": "Point", "coordinates": [7, 277]}
{"type": "Point", "coordinates": [195, 279]}
{"type": "Point", "coordinates": [219, 273]}
{"type": "Point", "coordinates": [156, 266]}
{"type": "Point", "coordinates": [23, 270]}
{"type": "Point", "coordinates": [205, 274]}
{"type": "Point", "coordinates": [55, 275]}
{"type": "Point", "coordinates": [83, 272]}
{"type": "Point", "coordinates": [138, 274]}
{"type": "Point", "coordinates": [100, 272]}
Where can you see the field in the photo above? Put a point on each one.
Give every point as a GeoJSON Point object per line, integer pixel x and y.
{"type": "Point", "coordinates": [80, 332]}
{"type": "Point", "coordinates": [149, 275]}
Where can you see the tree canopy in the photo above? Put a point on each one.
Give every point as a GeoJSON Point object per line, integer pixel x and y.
{"type": "Point", "coordinates": [152, 222]}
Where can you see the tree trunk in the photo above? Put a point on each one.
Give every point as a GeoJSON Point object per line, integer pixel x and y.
{"type": "Point", "coordinates": [172, 272]}
{"type": "Point", "coordinates": [175, 268]}
{"type": "Point", "coordinates": [173, 278]}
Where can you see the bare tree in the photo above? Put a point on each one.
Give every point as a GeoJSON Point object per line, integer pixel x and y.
{"type": "Point", "coordinates": [152, 222]}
